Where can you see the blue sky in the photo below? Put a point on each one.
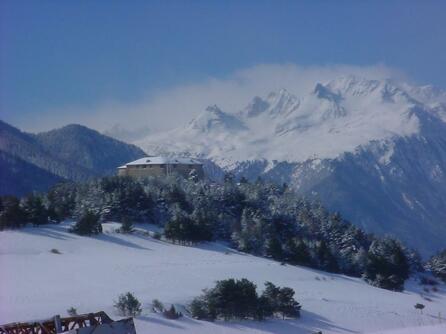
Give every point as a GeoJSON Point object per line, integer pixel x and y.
{"type": "Point", "coordinates": [66, 58]}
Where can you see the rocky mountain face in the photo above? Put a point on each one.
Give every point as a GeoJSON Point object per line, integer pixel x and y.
{"type": "Point", "coordinates": [373, 150]}
{"type": "Point", "coordinates": [32, 162]}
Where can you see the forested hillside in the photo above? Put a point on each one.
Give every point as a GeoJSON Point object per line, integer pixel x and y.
{"type": "Point", "coordinates": [35, 162]}
{"type": "Point", "coordinates": [258, 218]}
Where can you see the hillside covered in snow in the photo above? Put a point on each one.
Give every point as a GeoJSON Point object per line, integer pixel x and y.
{"type": "Point", "coordinates": [90, 273]}
{"type": "Point", "coordinates": [373, 149]}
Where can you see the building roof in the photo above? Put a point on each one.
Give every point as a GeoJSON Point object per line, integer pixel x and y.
{"type": "Point", "coordinates": [163, 161]}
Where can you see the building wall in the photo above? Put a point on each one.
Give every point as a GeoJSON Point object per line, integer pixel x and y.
{"type": "Point", "coordinates": [160, 170]}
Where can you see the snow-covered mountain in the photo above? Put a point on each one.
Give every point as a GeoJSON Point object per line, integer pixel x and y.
{"type": "Point", "coordinates": [374, 150]}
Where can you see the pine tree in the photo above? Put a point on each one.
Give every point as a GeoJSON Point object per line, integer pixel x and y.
{"type": "Point", "coordinates": [88, 224]}
{"type": "Point", "coordinates": [274, 248]}
{"type": "Point", "coordinates": [128, 305]}
{"type": "Point", "coordinates": [387, 265]}
{"type": "Point", "coordinates": [287, 306]}
{"type": "Point", "coordinates": [437, 264]}
{"type": "Point", "coordinates": [298, 252]}
{"type": "Point", "coordinates": [326, 259]}
{"type": "Point", "coordinates": [11, 214]}
{"type": "Point", "coordinates": [35, 211]}
{"type": "Point", "coordinates": [126, 226]}
{"type": "Point", "coordinates": [281, 300]}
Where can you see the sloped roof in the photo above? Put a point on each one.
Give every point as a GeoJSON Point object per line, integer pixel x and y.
{"type": "Point", "coordinates": [163, 161]}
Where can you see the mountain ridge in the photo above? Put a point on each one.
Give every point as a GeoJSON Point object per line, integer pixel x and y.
{"type": "Point", "coordinates": [73, 152]}
{"type": "Point", "coordinates": [344, 141]}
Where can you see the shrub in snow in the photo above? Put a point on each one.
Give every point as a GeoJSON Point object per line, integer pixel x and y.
{"type": "Point", "coordinates": [188, 229]}
{"type": "Point", "coordinates": [419, 306]}
{"type": "Point", "coordinates": [35, 211]}
{"type": "Point", "coordinates": [72, 312]}
{"type": "Point", "coordinates": [229, 299]}
{"type": "Point", "coordinates": [157, 306]}
{"type": "Point", "coordinates": [11, 213]}
{"type": "Point", "coordinates": [274, 248]}
{"type": "Point", "coordinates": [126, 226]}
{"type": "Point", "coordinates": [199, 309]}
{"type": "Point", "coordinates": [61, 201]}
{"type": "Point", "coordinates": [172, 313]}
{"type": "Point", "coordinates": [88, 224]}
{"type": "Point", "coordinates": [281, 300]}
{"type": "Point", "coordinates": [387, 265]}
{"type": "Point", "coordinates": [128, 305]}
{"type": "Point", "coordinates": [55, 251]}
{"type": "Point", "coordinates": [238, 299]}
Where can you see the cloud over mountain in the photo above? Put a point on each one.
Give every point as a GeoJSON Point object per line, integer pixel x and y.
{"type": "Point", "coordinates": [170, 107]}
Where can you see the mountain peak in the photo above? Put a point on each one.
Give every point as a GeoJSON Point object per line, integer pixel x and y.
{"type": "Point", "coordinates": [353, 85]}
{"type": "Point", "coordinates": [214, 109]}
{"type": "Point", "coordinates": [256, 107]}
{"type": "Point", "coordinates": [214, 119]}
{"type": "Point", "coordinates": [336, 117]}
{"type": "Point", "coordinates": [324, 92]}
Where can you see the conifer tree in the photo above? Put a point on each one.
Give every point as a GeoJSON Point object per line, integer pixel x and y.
{"type": "Point", "coordinates": [87, 224]}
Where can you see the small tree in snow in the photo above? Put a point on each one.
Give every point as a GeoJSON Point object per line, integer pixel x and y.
{"type": "Point", "coordinates": [157, 306]}
{"type": "Point", "coordinates": [126, 226]}
{"type": "Point", "coordinates": [88, 224]}
{"type": "Point", "coordinates": [420, 307]}
{"type": "Point", "coordinates": [72, 311]}
{"type": "Point", "coordinates": [128, 305]}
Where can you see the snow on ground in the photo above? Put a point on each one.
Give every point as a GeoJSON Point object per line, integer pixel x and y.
{"type": "Point", "coordinates": [91, 272]}
{"type": "Point", "coordinates": [438, 329]}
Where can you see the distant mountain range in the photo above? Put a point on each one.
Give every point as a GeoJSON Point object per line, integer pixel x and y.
{"type": "Point", "coordinates": [33, 162]}
{"type": "Point", "coordinates": [375, 150]}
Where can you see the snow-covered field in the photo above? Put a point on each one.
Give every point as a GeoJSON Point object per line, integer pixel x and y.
{"type": "Point", "coordinates": [91, 272]}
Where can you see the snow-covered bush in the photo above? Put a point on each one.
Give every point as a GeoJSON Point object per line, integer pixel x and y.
{"type": "Point", "coordinates": [437, 264]}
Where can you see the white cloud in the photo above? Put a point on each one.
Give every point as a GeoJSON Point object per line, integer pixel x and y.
{"type": "Point", "coordinates": [177, 105]}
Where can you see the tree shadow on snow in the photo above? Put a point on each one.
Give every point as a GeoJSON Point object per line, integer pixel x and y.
{"type": "Point", "coordinates": [159, 321]}
{"type": "Point", "coordinates": [120, 242]}
{"type": "Point", "coordinates": [309, 323]}
{"type": "Point", "coordinates": [55, 232]}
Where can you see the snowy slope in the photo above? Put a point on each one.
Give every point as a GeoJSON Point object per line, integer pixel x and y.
{"type": "Point", "coordinates": [373, 150]}
{"type": "Point", "coordinates": [438, 329]}
{"type": "Point", "coordinates": [91, 272]}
